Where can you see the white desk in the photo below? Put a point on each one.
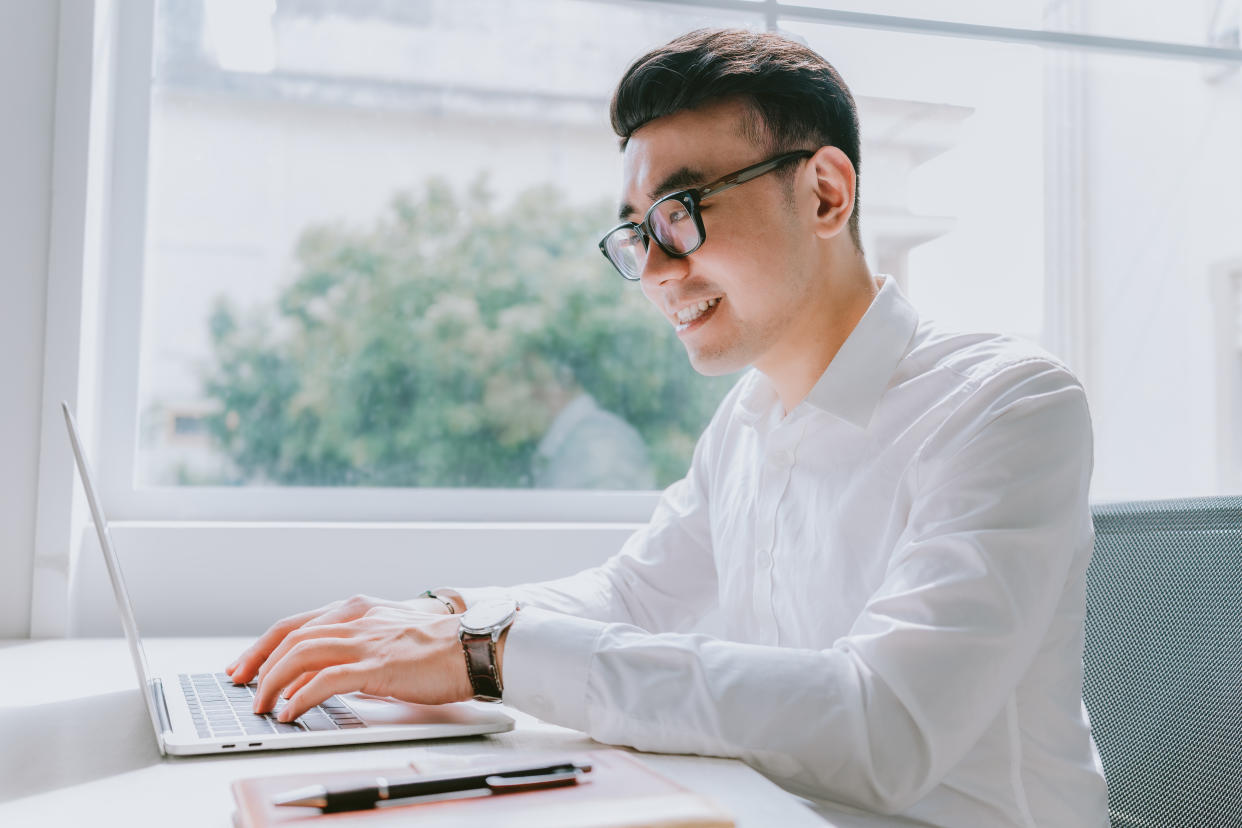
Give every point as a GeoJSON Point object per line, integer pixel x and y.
{"type": "Point", "coordinates": [76, 746]}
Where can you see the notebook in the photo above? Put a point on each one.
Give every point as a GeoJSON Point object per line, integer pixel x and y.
{"type": "Point", "coordinates": [622, 792]}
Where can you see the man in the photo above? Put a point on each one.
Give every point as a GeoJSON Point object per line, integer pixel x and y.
{"type": "Point", "coordinates": [891, 519]}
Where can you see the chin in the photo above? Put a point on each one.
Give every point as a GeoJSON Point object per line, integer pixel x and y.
{"type": "Point", "coordinates": [715, 364]}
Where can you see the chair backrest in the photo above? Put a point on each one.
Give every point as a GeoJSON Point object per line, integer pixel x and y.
{"type": "Point", "coordinates": [1163, 660]}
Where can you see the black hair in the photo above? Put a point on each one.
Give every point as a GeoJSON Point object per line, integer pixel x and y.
{"type": "Point", "coordinates": [798, 98]}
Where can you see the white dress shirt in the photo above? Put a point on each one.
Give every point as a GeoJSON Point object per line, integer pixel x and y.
{"type": "Point", "coordinates": [899, 566]}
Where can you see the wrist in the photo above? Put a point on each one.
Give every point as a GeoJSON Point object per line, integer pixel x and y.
{"type": "Point", "coordinates": [500, 654]}
{"type": "Point", "coordinates": [451, 599]}
{"type": "Point", "coordinates": [483, 633]}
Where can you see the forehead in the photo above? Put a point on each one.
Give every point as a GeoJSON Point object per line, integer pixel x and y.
{"type": "Point", "coordinates": [684, 149]}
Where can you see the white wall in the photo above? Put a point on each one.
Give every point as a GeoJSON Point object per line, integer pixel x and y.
{"type": "Point", "coordinates": [28, 38]}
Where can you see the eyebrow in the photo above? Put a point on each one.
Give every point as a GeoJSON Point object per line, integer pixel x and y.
{"type": "Point", "coordinates": [682, 179]}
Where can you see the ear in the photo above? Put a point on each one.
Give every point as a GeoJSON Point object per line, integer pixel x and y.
{"type": "Point", "coordinates": [834, 183]}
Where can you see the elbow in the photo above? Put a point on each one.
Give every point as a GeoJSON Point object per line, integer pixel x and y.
{"type": "Point", "coordinates": [890, 788]}
{"type": "Point", "coordinates": [879, 768]}
{"type": "Point", "coordinates": [888, 783]}
{"type": "Point", "coordinates": [897, 765]}
{"type": "Point", "coordinates": [895, 800]}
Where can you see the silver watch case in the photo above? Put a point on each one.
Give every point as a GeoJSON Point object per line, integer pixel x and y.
{"type": "Point", "coordinates": [488, 618]}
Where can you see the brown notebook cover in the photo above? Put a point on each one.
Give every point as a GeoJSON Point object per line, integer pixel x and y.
{"type": "Point", "coordinates": [622, 793]}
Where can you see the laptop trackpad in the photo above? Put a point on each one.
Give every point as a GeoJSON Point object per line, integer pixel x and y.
{"type": "Point", "coordinates": [378, 710]}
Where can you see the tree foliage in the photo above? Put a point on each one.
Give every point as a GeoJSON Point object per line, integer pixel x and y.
{"type": "Point", "coordinates": [435, 347]}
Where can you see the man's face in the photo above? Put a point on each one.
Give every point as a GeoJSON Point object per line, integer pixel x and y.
{"type": "Point", "coordinates": [755, 264]}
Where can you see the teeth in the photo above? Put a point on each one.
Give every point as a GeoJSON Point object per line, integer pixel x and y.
{"type": "Point", "coordinates": [692, 312]}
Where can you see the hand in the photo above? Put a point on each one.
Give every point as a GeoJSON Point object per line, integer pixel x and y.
{"type": "Point", "coordinates": [390, 651]}
{"type": "Point", "coordinates": [246, 666]}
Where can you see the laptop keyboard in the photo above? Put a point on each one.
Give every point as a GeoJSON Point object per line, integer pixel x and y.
{"type": "Point", "coordinates": [223, 709]}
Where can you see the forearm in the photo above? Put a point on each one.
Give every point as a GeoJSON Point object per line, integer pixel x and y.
{"type": "Point", "coordinates": [663, 579]}
{"type": "Point", "coordinates": [819, 722]}
{"type": "Point", "coordinates": [586, 594]}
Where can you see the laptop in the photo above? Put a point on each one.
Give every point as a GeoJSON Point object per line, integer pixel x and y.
{"type": "Point", "coordinates": [200, 713]}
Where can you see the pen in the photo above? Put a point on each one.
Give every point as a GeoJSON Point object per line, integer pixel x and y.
{"type": "Point", "coordinates": [508, 780]}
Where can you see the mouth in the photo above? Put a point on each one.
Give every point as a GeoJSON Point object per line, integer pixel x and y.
{"type": "Point", "coordinates": [695, 316]}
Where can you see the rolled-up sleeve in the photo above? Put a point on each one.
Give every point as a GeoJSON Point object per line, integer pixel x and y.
{"type": "Point", "coordinates": [875, 721]}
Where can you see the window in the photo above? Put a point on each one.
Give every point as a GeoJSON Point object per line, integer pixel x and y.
{"type": "Point", "coordinates": [370, 288]}
{"type": "Point", "coordinates": [1024, 170]}
{"type": "Point", "coordinates": [1228, 301]}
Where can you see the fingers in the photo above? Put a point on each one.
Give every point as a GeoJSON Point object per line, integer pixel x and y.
{"type": "Point", "coordinates": [307, 656]}
{"type": "Point", "coordinates": [297, 684]}
{"type": "Point", "coordinates": [328, 682]}
{"type": "Point", "coordinates": [305, 633]}
{"type": "Point", "coordinates": [244, 668]}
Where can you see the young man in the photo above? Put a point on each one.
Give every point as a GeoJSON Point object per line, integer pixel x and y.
{"type": "Point", "coordinates": [891, 519]}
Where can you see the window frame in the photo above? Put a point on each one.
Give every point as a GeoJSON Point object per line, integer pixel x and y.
{"type": "Point", "coordinates": [95, 279]}
{"type": "Point", "coordinates": [121, 367]}
{"type": "Point", "coordinates": [122, 312]}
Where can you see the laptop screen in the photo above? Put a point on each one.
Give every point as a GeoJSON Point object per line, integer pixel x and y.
{"type": "Point", "coordinates": [114, 572]}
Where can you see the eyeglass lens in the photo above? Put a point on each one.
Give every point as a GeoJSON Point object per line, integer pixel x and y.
{"type": "Point", "coordinates": [672, 224]}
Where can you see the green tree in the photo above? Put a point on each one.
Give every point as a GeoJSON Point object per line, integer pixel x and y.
{"type": "Point", "coordinates": [435, 348]}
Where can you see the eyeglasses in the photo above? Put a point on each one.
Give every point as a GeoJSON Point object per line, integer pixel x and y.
{"type": "Point", "coordinates": [674, 222]}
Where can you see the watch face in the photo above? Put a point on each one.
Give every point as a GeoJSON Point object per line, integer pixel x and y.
{"type": "Point", "coordinates": [488, 615]}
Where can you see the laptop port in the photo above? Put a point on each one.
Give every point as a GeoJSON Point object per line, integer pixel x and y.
{"type": "Point", "coordinates": [227, 746]}
{"type": "Point", "coordinates": [255, 744]}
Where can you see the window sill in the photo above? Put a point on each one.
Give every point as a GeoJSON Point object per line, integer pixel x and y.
{"type": "Point", "coordinates": [189, 578]}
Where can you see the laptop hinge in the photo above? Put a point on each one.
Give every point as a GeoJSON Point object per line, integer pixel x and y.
{"type": "Point", "coordinates": [161, 706]}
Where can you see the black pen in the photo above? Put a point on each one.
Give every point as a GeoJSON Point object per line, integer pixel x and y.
{"type": "Point", "coordinates": [507, 780]}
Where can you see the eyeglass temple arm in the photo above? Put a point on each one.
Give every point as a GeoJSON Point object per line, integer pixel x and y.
{"type": "Point", "coordinates": [741, 177]}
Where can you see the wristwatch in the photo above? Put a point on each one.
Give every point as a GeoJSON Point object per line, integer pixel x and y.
{"type": "Point", "coordinates": [479, 630]}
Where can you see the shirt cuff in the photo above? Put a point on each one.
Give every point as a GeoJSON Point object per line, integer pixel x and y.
{"type": "Point", "coordinates": [547, 660]}
{"type": "Point", "coordinates": [475, 595]}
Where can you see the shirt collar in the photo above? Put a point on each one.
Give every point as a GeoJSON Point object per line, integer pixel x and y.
{"type": "Point", "coordinates": [851, 386]}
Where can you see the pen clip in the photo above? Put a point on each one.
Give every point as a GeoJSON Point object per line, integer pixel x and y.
{"type": "Point", "coordinates": [513, 784]}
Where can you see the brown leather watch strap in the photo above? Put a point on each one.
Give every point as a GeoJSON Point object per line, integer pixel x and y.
{"type": "Point", "coordinates": [481, 666]}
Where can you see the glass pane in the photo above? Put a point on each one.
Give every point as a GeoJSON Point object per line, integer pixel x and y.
{"type": "Point", "coordinates": [1086, 201]}
{"type": "Point", "coordinates": [373, 250]}
{"type": "Point", "coordinates": [373, 262]}
{"type": "Point", "coordinates": [951, 181]}
{"type": "Point", "coordinates": [1162, 195]}
{"type": "Point", "coordinates": [1212, 23]}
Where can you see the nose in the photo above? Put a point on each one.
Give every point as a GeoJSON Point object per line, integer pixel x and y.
{"type": "Point", "coordinates": [660, 267]}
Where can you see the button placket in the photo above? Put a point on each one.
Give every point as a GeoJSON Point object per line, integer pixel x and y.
{"type": "Point", "coordinates": [782, 457]}
{"type": "Point", "coordinates": [768, 486]}
{"type": "Point", "coordinates": [777, 467]}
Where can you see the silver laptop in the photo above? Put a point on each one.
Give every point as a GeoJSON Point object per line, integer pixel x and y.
{"type": "Point", "coordinates": [196, 713]}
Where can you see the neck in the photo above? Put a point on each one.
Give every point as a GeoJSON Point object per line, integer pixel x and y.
{"type": "Point", "coordinates": [817, 334]}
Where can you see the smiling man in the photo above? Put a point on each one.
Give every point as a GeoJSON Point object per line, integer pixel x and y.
{"type": "Point", "coordinates": [889, 519]}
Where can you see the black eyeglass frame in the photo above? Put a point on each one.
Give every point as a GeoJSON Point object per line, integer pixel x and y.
{"type": "Point", "coordinates": [690, 199]}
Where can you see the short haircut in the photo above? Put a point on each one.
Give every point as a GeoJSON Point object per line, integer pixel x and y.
{"type": "Point", "coordinates": [799, 98]}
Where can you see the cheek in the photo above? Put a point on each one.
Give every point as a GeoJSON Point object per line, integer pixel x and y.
{"type": "Point", "coordinates": [647, 289]}
{"type": "Point", "coordinates": [751, 239]}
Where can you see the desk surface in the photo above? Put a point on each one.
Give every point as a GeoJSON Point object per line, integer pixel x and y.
{"type": "Point", "coordinates": [76, 746]}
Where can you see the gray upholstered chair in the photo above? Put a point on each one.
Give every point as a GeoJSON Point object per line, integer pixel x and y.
{"type": "Point", "coordinates": [1163, 660]}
